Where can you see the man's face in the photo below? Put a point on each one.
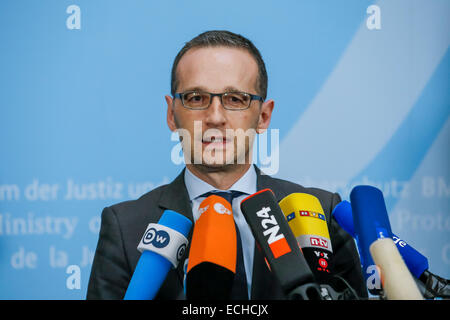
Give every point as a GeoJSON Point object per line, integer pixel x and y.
{"type": "Point", "coordinates": [217, 70]}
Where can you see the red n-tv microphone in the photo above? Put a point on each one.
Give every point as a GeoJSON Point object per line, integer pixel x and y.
{"type": "Point", "coordinates": [279, 246]}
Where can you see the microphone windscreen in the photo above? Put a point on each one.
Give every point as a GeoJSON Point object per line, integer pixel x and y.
{"type": "Point", "coordinates": [416, 262]}
{"type": "Point", "coordinates": [276, 240]}
{"type": "Point", "coordinates": [370, 217]}
{"type": "Point", "coordinates": [163, 245]}
{"type": "Point", "coordinates": [397, 282]}
{"type": "Point", "coordinates": [374, 234]}
{"type": "Point", "coordinates": [212, 256]}
{"type": "Point", "coordinates": [343, 214]}
{"type": "Point", "coordinates": [176, 221]}
{"type": "Point", "coordinates": [307, 221]}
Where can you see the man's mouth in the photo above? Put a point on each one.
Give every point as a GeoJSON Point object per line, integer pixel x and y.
{"type": "Point", "coordinates": [216, 140]}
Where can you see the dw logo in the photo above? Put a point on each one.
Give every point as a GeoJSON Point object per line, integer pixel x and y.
{"type": "Point", "coordinates": [180, 251]}
{"type": "Point", "coordinates": [159, 239]}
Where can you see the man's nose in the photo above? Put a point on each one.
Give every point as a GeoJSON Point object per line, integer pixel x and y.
{"type": "Point", "coordinates": [215, 113]}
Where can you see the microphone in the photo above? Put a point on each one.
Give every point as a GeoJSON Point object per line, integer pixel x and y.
{"type": "Point", "coordinates": [212, 256]}
{"type": "Point", "coordinates": [417, 263]}
{"type": "Point", "coordinates": [163, 245]}
{"type": "Point", "coordinates": [307, 221]}
{"type": "Point", "coordinates": [343, 215]}
{"type": "Point", "coordinates": [279, 246]}
{"type": "Point", "coordinates": [372, 226]}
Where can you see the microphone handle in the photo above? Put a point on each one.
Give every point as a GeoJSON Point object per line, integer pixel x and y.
{"type": "Point", "coordinates": [337, 288]}
{"type": "Point", "coordinates": [435, 286]}
{"type": "Point", "coordinates": [142, 286]}
{"type": "Point", "coordinates": [307, 291]}
{"type": "Point", "coordinates": [320, 262]}
{"type": "Point", "coordinates": [333, 291]}
{"type": "Point", "coordinates": [397, 281]}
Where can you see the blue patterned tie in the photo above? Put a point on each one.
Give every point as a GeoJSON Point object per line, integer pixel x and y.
{"type": "Point", "coordinates": [239, 290]}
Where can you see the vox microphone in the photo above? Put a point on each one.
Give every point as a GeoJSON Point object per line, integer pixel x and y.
{"type": "Point", "coordinates": [307, 221]}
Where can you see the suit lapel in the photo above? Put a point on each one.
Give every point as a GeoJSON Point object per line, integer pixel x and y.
{"type": "Point", "coordinates": [176, 198]}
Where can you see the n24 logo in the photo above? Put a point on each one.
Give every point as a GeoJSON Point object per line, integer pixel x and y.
{"type": "Point", "coordinates": [276, 241]}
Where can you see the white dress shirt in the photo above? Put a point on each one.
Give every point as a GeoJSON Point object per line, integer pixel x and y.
{"type": "Point", "coordinates": [246, 184]}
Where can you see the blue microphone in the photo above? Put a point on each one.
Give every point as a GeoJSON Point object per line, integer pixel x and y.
{"type": "Point", "coordinates": [373, 231]}
{"type": "Point", "coordinates": [415, 261]}
{"type": "Point", "coordinates": [163, 246]}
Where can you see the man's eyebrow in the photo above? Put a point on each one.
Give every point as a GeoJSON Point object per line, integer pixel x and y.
{"type": "Point", "coordinates": [203, 89]}
{"type": "Point", "coordinates": [197, 88]}
{"type": "Point", "coordinates": [232, 89]}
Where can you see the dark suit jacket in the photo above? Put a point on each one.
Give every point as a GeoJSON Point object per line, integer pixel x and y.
{"type": "Point", "coordinates": [123, 225]}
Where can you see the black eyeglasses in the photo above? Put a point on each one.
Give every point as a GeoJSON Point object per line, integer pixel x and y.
{"type": "Point", "coordinates": [198, 100]}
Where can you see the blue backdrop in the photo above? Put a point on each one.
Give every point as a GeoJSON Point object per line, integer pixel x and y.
{"type": "Point", "coordinates": [361, 91]}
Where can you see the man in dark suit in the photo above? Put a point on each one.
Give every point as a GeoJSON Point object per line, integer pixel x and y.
{"type": "Point", "coordinates": [219, 82]}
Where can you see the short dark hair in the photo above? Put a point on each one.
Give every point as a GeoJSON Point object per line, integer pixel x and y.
{"type": "Point", "coordinates": [222, 38]}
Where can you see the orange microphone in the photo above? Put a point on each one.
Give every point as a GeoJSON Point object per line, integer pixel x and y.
{"type": "Point", "coordinates": [212, 256]}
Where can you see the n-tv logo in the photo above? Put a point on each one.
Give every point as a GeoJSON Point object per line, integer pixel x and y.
{"type": "Point", "coordinates": [276, 241]}
{"type": "Point", "coordinates": [318, 242]}
{"type": "Point", "coordinates": [158, 238]}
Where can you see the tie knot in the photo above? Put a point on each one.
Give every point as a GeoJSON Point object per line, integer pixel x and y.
{"type": "Point", "coordinates": [227, 195]}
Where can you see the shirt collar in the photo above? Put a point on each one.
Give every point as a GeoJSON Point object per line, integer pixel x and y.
{"type": "Point", "coordinates": [196, 186]}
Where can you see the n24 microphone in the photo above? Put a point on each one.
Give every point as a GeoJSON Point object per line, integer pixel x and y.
{"type": "Point", "coordinates": [417, 263]}
{"type": "Point", "coordinates": [212, 256]}
{"type": "Point", "coordinates": [163, 245]}
{"type": "Point", "coordinates": [374, 233]}
{"type": "Point", "coordinates": [279, 246]}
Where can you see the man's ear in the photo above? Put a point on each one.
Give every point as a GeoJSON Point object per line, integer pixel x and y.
{"type": "Point", "coordinates": [265, 116]}
{"type": "Point", "coordinates": [170, 113]}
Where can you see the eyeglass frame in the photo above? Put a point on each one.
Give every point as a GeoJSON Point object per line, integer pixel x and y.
{"type": "Point", "coordinates": [220, 95]}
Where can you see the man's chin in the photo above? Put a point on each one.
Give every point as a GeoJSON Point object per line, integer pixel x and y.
{"type": "Point", "coordinates": [218, 164]}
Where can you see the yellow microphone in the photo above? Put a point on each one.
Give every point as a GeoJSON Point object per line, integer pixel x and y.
{"type": "Point", "coordinates": [307, 221]}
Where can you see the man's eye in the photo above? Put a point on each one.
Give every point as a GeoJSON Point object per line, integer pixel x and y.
{"type": "Point", "coordinates": [237, 99]}
{"type": "Point", "coordinates": [193, 97]}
